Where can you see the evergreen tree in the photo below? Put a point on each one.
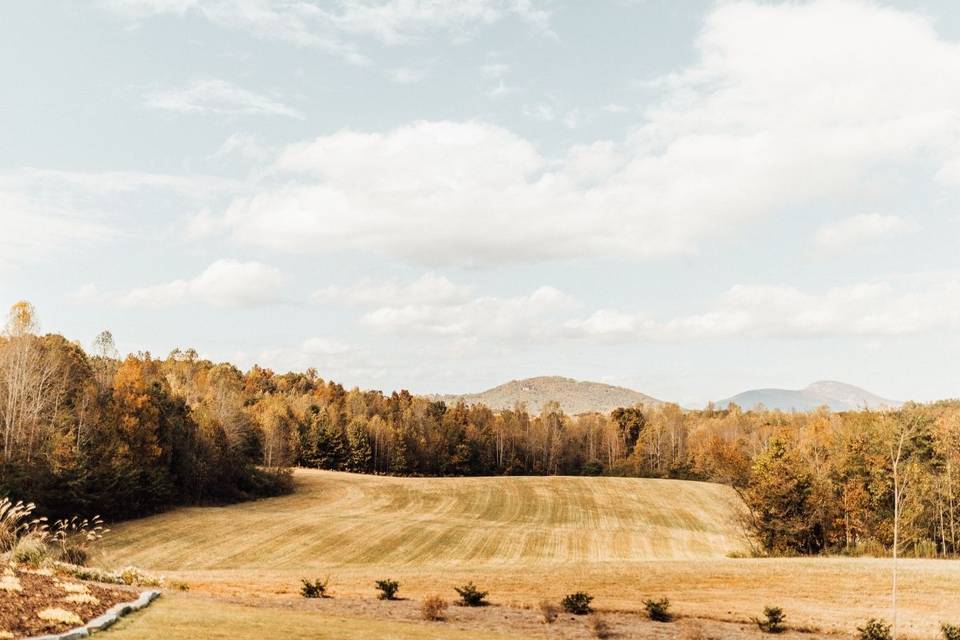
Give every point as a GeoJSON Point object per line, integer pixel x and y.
{"type": "Point", "coordinates": [328, 447]}
{"type": "Point", "coordinates": [360, 449]}
{"type": "Point", "coordinates": [398, 457]}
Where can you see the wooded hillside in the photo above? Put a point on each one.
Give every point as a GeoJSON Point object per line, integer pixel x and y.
{"type": "Point", "coordinates": [94, 433]}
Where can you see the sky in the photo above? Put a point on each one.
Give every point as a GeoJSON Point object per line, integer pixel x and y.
{"type": "Point", "coordinates": [686, 198]}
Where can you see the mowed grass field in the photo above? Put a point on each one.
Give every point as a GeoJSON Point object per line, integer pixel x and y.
{"type": "Point", "coordinates": [524, 539]}
{"type": "Point", "coordinates": [342, 520]}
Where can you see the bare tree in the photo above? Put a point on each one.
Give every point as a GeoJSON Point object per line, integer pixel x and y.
{"type": "Point", "coordinates": [22, 320]}
{"type": "Point", "coordinates": [903, 431]}
{"type": "Point", "coordinates": [33, 384]}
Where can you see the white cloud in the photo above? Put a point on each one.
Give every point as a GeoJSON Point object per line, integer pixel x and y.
{"type": "Point", "coordinates": [950, 172]}
{"type": "Point", "coordinates": [407, 75]}
{"type": "Point", "coordinates": [55, 183]}
{"type": "Point", "coordinates": [495, 70]}
{"type": "Point", "coordinates": [217, 97]}
{"type": "Point", "coordinates": [898, 306]}
{"type": "Point", "coordinates": [428, 289]}
{"type": "Point", "coordinates": [334, 359]}
{"type": "Point", "coordinates": [528, 317]}
{"type": "Point", "coordinates": [331, 26]}
{"type": "Point", "coordinates": [431, 192]}
{"type": "Point", "coordinates": [542, 111]}
{"type": "Point", "coordinates": [202, 224]}
{"type": "Point", "coordinates": [225, 283]}
{"type": "Point", "coordinates": [550, 112]}
{"type": "Point", "coordinates": [298, 22]}
{"type": "Point", "coordinates": [860, 230]}
{"type": "Point", "coordinates": [86, 294]}
{"type": "Point", "coordinates": [324, 346]}
{"type": "Point", "coordinates": [246, 146]}
{"type": "Point", "coordinates": [763, 123]}
{"type": "Point", "coordinates": [33, 228]}
{"type": "Point", "coordinates": [572, 118]}
{"type": "Point", "coordinates": [501, 89]}
{"type": "Point", "coordinates": [396, 21]}
{"type": "Point", "coordinates": [46, 211]}
{"type": "Point", "coordinates": [434, 306]}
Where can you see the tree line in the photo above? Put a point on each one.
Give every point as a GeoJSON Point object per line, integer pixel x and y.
{"type": "Point", "coordinates": [95, 433]}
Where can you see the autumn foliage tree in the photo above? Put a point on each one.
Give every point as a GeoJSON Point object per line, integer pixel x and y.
{"type": "Point", "coordinates": [778, 496]}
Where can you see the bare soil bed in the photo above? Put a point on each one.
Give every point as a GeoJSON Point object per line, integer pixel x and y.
{"type": "Point", "coordinates": [526, 621]}
{"type": "Point", "coordinates": [37, 603]}
{"type": "Point", "coordinates": [186, 616]}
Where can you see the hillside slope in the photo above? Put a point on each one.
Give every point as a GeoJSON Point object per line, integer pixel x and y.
{"type": "Point", "coordinates": [343, 520]}
{"type": "Point", "coordinates": [573, 396]}
{"type": "Point", "coordinates": [838, 396]}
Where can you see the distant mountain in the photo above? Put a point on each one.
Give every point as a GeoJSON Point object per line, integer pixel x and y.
{"type": "Point", "coordinates": [573, 396]}
{"type": "Point", "coordinates": [835, 395]}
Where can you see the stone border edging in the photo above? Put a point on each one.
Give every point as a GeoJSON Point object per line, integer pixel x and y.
{"type": "Point", "coordinates": [105, 619]}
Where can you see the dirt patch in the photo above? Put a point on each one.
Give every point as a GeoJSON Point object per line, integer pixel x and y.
{"type": "Point", "coordinates": [37, 603]}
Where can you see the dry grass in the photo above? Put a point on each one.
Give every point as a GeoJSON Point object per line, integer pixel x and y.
{"type": "Point", "coordinates": [347, 520]}
{"type": "Point", "coordinates": [524, 540]}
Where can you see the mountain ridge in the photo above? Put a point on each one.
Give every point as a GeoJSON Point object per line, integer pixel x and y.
{"type": "Point", "coordinates": [837, 396]}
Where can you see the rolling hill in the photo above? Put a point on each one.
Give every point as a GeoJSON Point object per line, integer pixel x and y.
{"type": "Point", "coordinates": [340, 519]}
{"type": "Point", "coordinates": [838, 396]}
{"type": "Point", "coordinates": [573, 396]}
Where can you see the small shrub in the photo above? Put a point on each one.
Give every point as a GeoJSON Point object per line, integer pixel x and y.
{"type": "Point", "coordinates": [577, 603]}
{"type": "Point", "coordinates": [74, 554]}
{"type": "Point", "coordinates": [874, 629]}
{"type": "Point", "coordinates": [593, 468]}
{"type": "Point", "coordinates": [30, 549]}
{"type": "Point", "coordinates": [871, 548]}
{"type": "Point", "coordinates": [772, 621]}
{"type": "Point", "coordinates": [599, 627]}
{"type": "Point", "coordinates": [128, 575]}
{"type": "Point", "coordinates": [388, 589]}
{"type": "Point", "coordinates": [134, 576]}
{"type": "Point", "coordinates": [470, 596]}
{"type": "Point", "coordinates": [433, 608]}
{"type": "Point", "coordinates": [950, 631]}
{"type": "Point", "coordinates": [315, 589]}
{"type": "Point", "coordinates": [658, 610]}
{"type": "Point", "coordinates": [549, 611]}
{"type": "Point", "coordinates": [74, 539]}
